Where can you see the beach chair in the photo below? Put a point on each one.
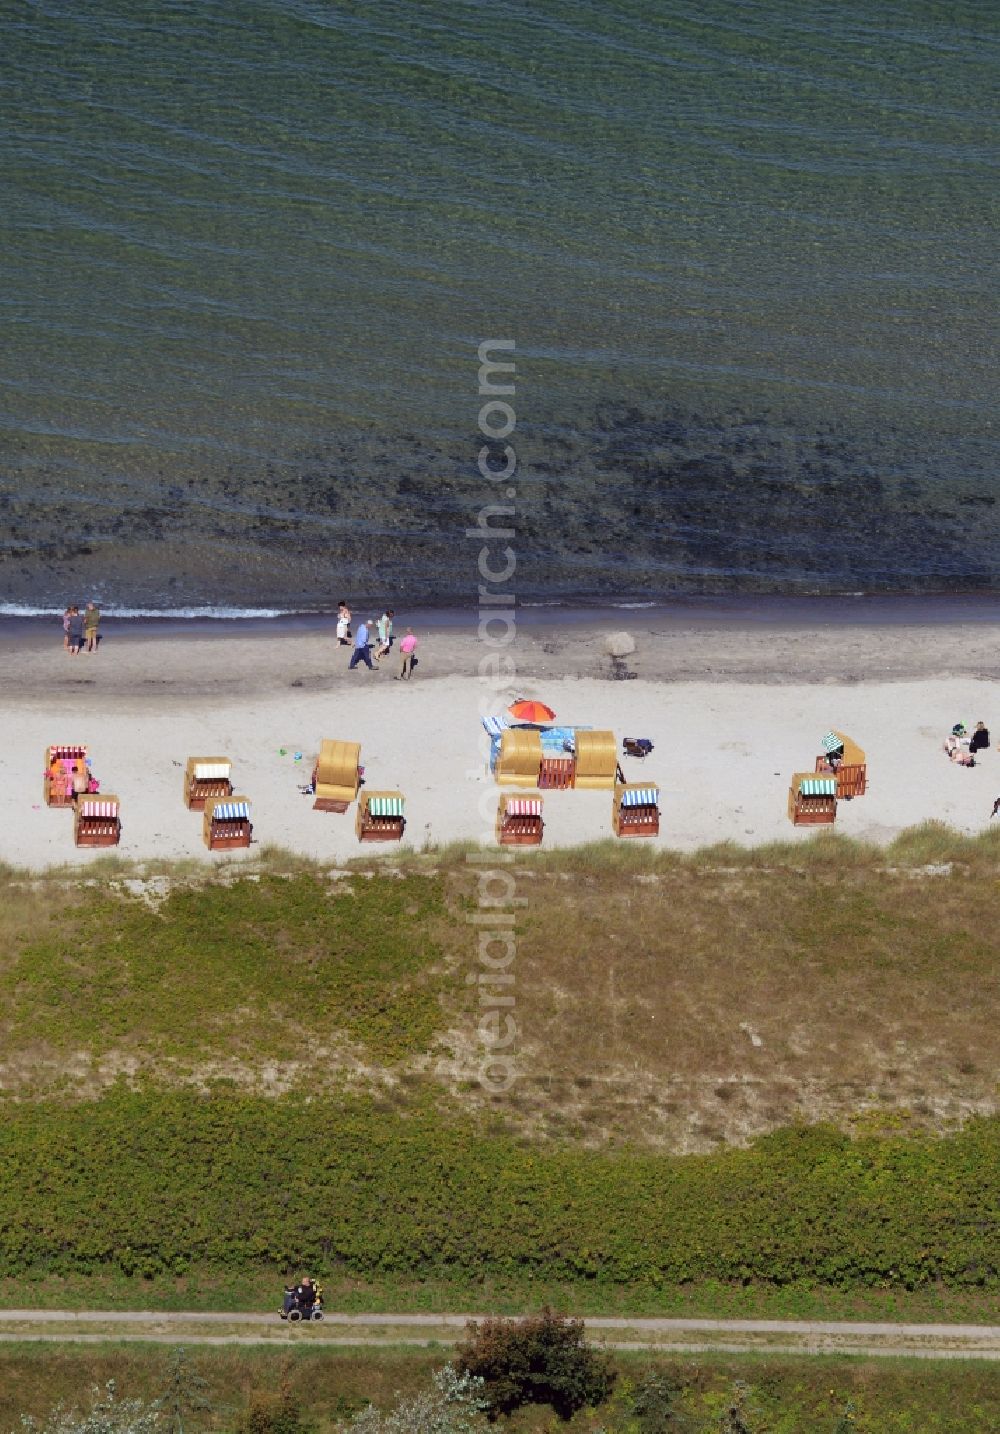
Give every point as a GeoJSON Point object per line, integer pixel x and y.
{"type": "Point", "coordinates": [226, 823]}
{"type": "Point", "coordinates": [59, 764]}
{"type": "Point", "coordinates": [381, 816]}
{"type": "Point", "coordinates": [635, 810]}
{"type": "Point", "coordinates": [557, 773]}
{"type": "Point", "coordinates": [206, 778]}
{"type": "Point", "coordinates": [851, 770]}
{"type": "Point", "coordinates": [97, 822]}
{"type": "Point", "coordinates": [812, 799]}
{"type": "Point", "coordinates": [519, 819]}
{"type": "Point", "coordinates": [597, 761]}
{"type": "Point", "coordinates": [520, 758]}
{"type": "Point", "coordinates": [336, 776]}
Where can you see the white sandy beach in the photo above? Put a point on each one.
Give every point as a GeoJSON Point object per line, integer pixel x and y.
{"type": "Point", "coordinates": [726, 746]}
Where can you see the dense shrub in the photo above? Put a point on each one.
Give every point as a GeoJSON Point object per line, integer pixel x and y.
{"type": "Point", "coordinates": [158, 1181]}
{"type": "Point", "coordinates": [543, 1359]}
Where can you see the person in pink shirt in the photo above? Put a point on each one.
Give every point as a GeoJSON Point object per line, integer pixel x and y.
{"type": "Point", "coordinates": [407, 648]}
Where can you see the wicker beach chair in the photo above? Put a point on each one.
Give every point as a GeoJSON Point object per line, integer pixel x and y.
{"type": "Point", "coordinates": [812, 799]}
{"type": "Point", "coordinates": [519, 819]}
{"type": "Point", "coordinates": [520, 758]}
{"type": "Point", "coordinates": [97, 821]}
{"type": "Point", "coordinates": [59, 765]}
{"type": "Point", "coordinates": [336, 776]}
{"type": "Point", "coordinates": [206, 778]}
{"type": "Point", "coordinates": [597, 760]}
{"type": "Point", "coordinates": [381, 816]}
{"type": "Point", "coordinates": [851, 769]}
{"type": "Point", "coordinates": [226, 823]}
{"type": "Point", "coordinates": [635, 810]}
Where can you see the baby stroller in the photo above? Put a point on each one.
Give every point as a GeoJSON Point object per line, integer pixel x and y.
{"type": "Point", "coordinates": [636, 746]}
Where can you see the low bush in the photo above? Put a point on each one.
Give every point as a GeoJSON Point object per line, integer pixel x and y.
{"type": "Point", "coordinates": [542, 1359]}
{"type": "Point", "coordinates": [151, 1181]}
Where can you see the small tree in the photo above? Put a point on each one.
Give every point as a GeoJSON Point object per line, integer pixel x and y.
{"type": "Point", "coordinates": [654, 1406]}
{"type": "Point", "coordinates": [186, 1393]}
{"type": "Point", "coordinates": [542, 1359]}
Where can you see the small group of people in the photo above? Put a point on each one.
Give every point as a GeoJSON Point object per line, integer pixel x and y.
{"type": "Point", "coordinates": [961, 746]}
{"type": "Point", "coordinates": [80, 628]}
{"type": "Point", "coordinates": [72, 779]}
{"type": "Point", "coordinates": [305, 1297]}
{"type": "Point", "coordinates": [373, 640]}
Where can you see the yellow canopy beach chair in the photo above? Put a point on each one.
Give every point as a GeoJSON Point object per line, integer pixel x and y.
{"type": "Point", "coordinates": [519, 819]}
{"type": "Point", "coordinates": [97, 821]}
{"type": "Point", "coordinates": [635, 810]}
{"type": "Point", "coordinates": [520, 758]}
{"type": "Point", "coordinates": [336, 776]}
{"type": "Point", "coordinates": [204, 778]}
{"type": "Point", "coordinates": [597, 760]}
{"type": "Point", "coordinates": [226, 823]}
{"type": "Point", "coordinates": [812, 799]}
{"type": "Point", "coordinates": [381, 816]}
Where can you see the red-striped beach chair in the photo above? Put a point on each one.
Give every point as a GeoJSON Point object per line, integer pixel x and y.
{"type": "Point", "coordinates": [519, 819]}
{"type": "Point", "coordinates": [97, 821]}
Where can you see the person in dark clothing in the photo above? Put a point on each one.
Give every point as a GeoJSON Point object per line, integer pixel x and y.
{"type": "Point", "coordinates": [289, 1301]}
{"type": "Point", "coordinates": [305, 1296]}
{"type": "Point", "coordinates": [980, 739]}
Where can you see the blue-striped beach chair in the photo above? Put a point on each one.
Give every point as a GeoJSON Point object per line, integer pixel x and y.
{"type": "Point", "coordinates": [812, 799]}
{"type": "Point", "coordinates": [635, 810]}
{"type": "Point", "coordinates": [97, 821]}
{"type": "Point", "coordinates": [381, 816]}
{"type": "Point", "coordinates": [226, 823]}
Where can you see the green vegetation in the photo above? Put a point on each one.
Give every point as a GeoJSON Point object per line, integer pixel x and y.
{"type": "Point", "coordinates": [162, 1181]}
{"type": "Point", "coordinates": [748, 1082]}
{"type": "Point", "coordinates": [780, 1396]}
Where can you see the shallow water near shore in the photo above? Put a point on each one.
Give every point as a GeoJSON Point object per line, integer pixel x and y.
{"type": "Point", "coordinates": [746, 257]}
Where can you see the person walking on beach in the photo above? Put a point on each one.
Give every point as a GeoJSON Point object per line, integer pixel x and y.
{"type": "Point", "coordinates": [91, 619]}
{"type": "Point", "coordinates": [343, 623]}
{"type": "Point", "coordinates": [75, 630]}
{"type": "Point", "coordinates": [384, 635]}
{"type": "Point", "coordinates": [407, 648]}
{"type": "Point", "coordinates": [67, 618]}
{"type": "Point", "coordinates": [361, 651]}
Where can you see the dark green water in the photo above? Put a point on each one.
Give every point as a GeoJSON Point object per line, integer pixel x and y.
{"type": "Point", "coordinates": [747, 252]}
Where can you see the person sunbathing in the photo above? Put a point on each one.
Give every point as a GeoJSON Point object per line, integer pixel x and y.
{"type": "Point", "coordinates": [980, 740]}
{"type": "Point", "coordinates": [957, 753]}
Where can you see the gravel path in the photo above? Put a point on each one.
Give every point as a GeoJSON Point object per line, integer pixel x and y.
{"type": "Point", "coordinates": [927, 1341]}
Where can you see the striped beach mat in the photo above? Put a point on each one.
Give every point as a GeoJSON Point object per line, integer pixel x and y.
{"type": "Point", "coordinates": [385, 806]}
{"type": "Point", "coordinates": [641, 797]}
{"type": "Point", "coordinates": [230, 811]}
{"type": "Point", "coordinates": [818, 787]}
{"type": "Point", "coordinates": [524, 807]}
{"type": "Point", "coordinates": [212, 771]}
{"type": "Point", "coordinates": [99, 809]}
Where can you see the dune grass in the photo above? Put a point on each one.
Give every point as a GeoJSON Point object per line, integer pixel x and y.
{"type": "Point", "coordinates": [675, 1001]}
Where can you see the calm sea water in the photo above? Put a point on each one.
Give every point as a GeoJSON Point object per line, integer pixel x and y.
{"type": "Point", "coordinates": [747, 252]}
